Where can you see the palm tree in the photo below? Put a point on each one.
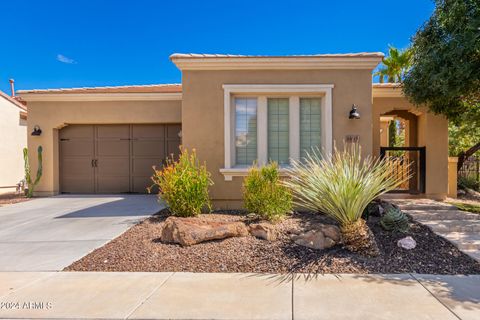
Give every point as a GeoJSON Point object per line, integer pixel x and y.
{"type": "Point", "coordinates": [395, 65]}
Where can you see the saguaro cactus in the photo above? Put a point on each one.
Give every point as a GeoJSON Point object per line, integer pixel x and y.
{"type": "Point", "coordinates": [28, 177]}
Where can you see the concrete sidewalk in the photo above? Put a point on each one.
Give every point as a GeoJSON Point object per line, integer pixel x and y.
{"type": "Point", "coordinates": [92, 295]}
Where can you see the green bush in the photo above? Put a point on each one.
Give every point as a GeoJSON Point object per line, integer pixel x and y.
{"type": "Point", "coordinates": [264, 194]}
{"type": "Point", "coordinates": [395, 220]}
{"type": "Point", "coordinates": [184, 184]}
{"type": "Point", "coordinates": [468, 182]}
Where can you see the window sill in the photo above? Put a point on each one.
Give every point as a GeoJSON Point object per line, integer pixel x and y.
{"type": "Point", "coordinates": [229, 173]}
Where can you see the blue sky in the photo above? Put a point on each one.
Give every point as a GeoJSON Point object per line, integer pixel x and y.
{"type": "Point", "coordinates": [51, 44]}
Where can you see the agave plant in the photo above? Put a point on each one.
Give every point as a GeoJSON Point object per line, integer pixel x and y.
{"type": "Point", "coordinates": [341, 186]}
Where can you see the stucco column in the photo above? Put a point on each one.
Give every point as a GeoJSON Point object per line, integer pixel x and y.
{"type": "Point", "coordinates": [452, 177]}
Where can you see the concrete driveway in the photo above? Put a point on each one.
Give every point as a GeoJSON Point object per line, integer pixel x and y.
{"type": "Point", "coordinates": [48, 234]}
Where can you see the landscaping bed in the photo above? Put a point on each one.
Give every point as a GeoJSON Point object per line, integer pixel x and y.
{"type": "Point", "coordinates": [140, 249]}
{"type": "Point", "coordinates": [11, 198]}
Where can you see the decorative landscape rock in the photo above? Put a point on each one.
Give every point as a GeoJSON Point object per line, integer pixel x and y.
{"type": "Point", "coordinates": [322, 237]}
{"type": "Point", "coordinates": [407, 243]}
{"type": "Point", "coordinates": [264, 231]}
{"type": "Point", "coordinates": [190, 231]}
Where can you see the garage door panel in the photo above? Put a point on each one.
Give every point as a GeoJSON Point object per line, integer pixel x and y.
{"type": "Point", "coordinates": [173, 147]}
{"type": "Point", "coordinates": [140, 185]}
{"type": "Point", "coordinates": [72, 148]}
{"type": "Point", "coordinates": [144, 167]}
{"type": "Point", "coordinates": [78, 184]}
{"type": "Point", "coordinates": [113, 184]}
{"type": "Point", "coordinates": [77, 132]}
{"type": "Point", "coordinates": [113, 131]}
{"type": "Point", "coordinates": [155, 148]}
{"type": "Point", "coordinates": [113, 167]}
{"type": "Point", "coordinates": [147, 131]}
{"type": "Point", "coordinates": [173, 130]}
{"type": "Point", "coordinates": [113, 148]}
{"type": "Point", "coordinates": [72, 167]}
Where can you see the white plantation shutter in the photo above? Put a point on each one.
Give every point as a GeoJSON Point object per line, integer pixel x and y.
{"type": "Point", "coordinates": [310, 125]}
{"type": "Point", "coordinates": [278, 130]}
{"type": "Point", "coordinates": [245, 131]}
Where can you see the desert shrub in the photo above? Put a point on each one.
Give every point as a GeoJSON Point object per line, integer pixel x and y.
{"type": "Point", "coordinates": [264, 194]}
{"type": "Point", "coordinates": [183, 184]}
{"type": "Point", "coordinates": [394, 220]}
{"type": "Point", "coordinates": [342, 185]}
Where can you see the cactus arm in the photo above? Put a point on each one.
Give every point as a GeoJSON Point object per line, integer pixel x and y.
{"type": "Point", "coordinates": [28, 175]}
{"type": "Point", "coordinates": [28, 179]}
{"type": "Point", "coordinates": [40, 165]}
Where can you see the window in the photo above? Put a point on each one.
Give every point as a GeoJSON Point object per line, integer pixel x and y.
{"type": "Point", "coordinates": [245, 131]}
{"type": "Point", "coordinates": [310, 125]}
{"type": "Point", "coordinates": [278, 130]}
{"type": "Point", "coordinates": [276, 122]}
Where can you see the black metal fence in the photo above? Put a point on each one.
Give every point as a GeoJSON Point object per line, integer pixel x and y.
{"type": "Point", "coordinates": [471, 168]}
{"type": "Point", "coordinates": [412, 164]}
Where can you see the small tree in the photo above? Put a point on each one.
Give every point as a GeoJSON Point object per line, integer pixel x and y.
{"type": "Point", "coordinates": [445, 75]}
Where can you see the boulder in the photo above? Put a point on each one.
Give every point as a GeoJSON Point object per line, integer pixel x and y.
{"type": "Point", "coordinates": [407, 243]}
{"type": "Point", "coordinates": [190, 231]}
{"type": "Point", "coordinates": [264, 231]}
{"type": "Point", "coordinates": [331, 231]}
{"type": "Point", "coordinates": [322, 237]}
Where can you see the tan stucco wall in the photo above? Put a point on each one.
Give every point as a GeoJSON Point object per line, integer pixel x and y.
{"type": "Point", "coordinates": [51, 116]}
{"type": "Point", "coordinates": [203, 115]}
{"type": "Point", "coordinates": [432, 133]}
{"type": "Point", "coordinates": [13, 133]}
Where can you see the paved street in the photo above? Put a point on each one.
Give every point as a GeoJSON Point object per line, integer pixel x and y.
{"type": "Point", "coordinates": [48, 234]}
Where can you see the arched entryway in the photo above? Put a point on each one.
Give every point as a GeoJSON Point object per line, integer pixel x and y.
{"type": "Point", "coordinates": [399, 139]}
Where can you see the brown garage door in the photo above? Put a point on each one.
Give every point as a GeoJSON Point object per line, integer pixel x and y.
{"type": "Point", "coordinates": [113, 158]}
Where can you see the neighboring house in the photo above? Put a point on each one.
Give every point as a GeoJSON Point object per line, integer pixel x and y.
{"type": "Point", "coordinates": [232, 110]}
{"type": "Point", "coordinates": [13, 133]}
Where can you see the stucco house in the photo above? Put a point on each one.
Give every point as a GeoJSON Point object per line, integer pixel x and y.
{"type": "Point", "coordinates": [233, 110]}
{"type": "Point", "coordinates": [13, 133]}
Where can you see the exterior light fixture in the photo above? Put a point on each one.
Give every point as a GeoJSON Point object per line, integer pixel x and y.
{"type": "Point", "coordinates": [36, 131]}
{"type": "Point", "coordinates": [354, 113]}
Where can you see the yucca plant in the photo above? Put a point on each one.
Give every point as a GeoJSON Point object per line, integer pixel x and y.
{"type": "Point", "coordinates": [342, 185]}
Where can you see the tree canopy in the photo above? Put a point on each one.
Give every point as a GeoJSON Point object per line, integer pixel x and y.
{"type": "Point", "coordinates": [445, 73]}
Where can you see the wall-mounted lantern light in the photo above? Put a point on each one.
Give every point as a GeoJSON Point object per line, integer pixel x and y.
{"type": "Point", "coordinates": [36, 131]}
{"type": "Point", "coordinates": [354, 113]}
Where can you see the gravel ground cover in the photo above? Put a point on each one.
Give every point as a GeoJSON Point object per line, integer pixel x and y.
{"type": "Point", "coordinates": [11, 198]}
{"type": "Point", "coordinates": [140, 249]}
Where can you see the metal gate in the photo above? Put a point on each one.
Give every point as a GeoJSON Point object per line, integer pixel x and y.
{"type": "Point", "coordinates": [412, 163]}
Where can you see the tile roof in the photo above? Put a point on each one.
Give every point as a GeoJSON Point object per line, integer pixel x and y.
{"type": "Point", "coordinates": [150, 88]}
{"type": "Point", "coordinates": [13, 100]}
{"type": "Point", "coordinates": [328, 55]}
{"type": "Point", "coordinates": [387, 85]}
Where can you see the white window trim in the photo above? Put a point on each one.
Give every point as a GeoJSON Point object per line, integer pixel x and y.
{"type": "Point", "coordinates": [294, 91]}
